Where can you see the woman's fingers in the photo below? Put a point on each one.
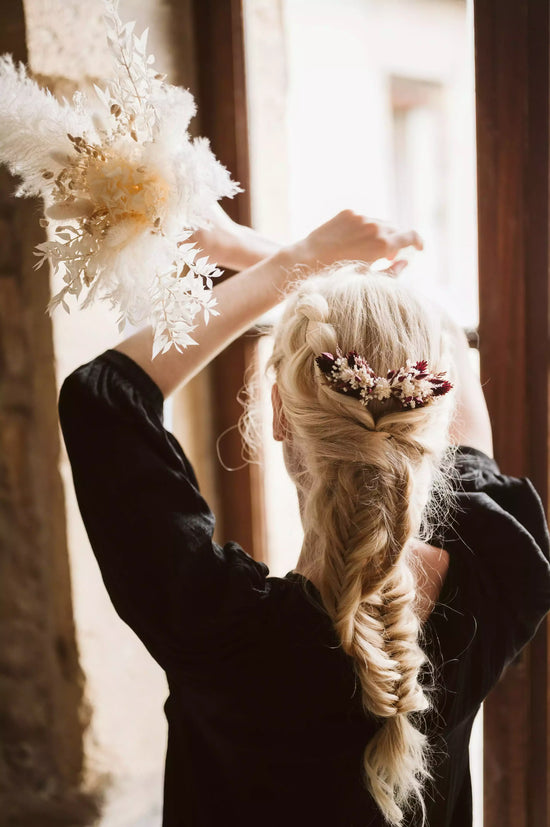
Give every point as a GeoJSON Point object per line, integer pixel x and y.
{"type": "Point", "coordinates": [399, 240]}
{"type": "Point", "coordinates": [396, 268]}
{"type": "Point", "coordinates": [350, 235]}
{"type": "Point", "coordinates": [382, 235]}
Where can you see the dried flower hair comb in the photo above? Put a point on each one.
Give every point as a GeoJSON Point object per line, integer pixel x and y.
{"type": "Point", "coordinates": [413, 385]}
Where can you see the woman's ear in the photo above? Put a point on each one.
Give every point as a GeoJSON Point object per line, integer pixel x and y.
{"type": "Point", "coordinates": [280, 424]}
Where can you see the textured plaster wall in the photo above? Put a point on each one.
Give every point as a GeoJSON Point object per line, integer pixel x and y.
{"type": "Point", "coordinates": [66, 38]}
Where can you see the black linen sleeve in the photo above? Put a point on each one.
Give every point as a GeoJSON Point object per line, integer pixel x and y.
{"type": "Point", "coordinates": [149, 527]}
{"type": "Point", "coordinates": [499, 574]}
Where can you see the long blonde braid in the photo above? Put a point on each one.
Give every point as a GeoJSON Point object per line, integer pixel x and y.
{"type": "Point", "coordinates": [365, 477]}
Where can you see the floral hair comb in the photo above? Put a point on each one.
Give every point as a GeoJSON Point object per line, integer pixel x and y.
{"type": "Point", "coordinates": [413, 385]}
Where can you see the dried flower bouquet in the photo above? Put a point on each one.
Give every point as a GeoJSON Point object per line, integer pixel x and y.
{"type": "Point", "coordinates": [123, 186]}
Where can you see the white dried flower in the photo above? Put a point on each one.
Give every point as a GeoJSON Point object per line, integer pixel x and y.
{"type": "Point", "coordinates": [382, 388]}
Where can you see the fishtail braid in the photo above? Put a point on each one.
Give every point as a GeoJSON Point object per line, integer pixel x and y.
{"type": "Point", "coordinates": [364, 480]}
{"type": "Point", "coordinates": [367, 583]}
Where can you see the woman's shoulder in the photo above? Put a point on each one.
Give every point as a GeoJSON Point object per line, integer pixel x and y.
{"type": "Point", "coordinates": [431, 565]}
{"type": "Point", "coordinates": [498, 518]}
{"type": "Point", "coordinates": [497, 587]}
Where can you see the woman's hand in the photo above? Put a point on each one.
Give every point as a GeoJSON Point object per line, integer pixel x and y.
{"type": "Point", "coordinates": [347, 236]}
{"type": "Point", "coordinates": [351, 236]}
{"type": "Point", "coordinates": [245, 297]}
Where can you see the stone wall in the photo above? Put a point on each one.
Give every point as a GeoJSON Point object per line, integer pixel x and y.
{"type": "Point", "coordinates": [41, 712]}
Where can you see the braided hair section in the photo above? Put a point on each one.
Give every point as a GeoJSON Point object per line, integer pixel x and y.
{"type": "Point", "coordinates": [364, 478]}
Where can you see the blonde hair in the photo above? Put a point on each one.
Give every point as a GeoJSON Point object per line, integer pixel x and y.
{"type": "Point", "coordinates": [364, 479]}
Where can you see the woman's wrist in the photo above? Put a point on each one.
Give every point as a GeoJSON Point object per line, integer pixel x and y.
{"type": "Point", "coordinates": [250, 294]}
{"type": "Point", "coordinates": [292, 263]}
{"type": "Point", "coordinates": [247, 247]}
{"type": "Point", "coordinates": [231, 245]}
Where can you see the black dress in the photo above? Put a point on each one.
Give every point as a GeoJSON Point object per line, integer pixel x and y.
{"type": "Point", "coordinates": [265, 719]}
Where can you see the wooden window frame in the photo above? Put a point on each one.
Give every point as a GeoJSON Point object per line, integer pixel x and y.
{"type": "Point", "coordinates": [512, 108]}
{"type": "Point", "coordinates": [221, 93]}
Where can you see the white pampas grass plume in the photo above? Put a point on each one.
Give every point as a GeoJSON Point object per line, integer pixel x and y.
{"type": "Point", "coordinates": [123, 187]}
{"type": "Point", "coordinates": [33, 129]}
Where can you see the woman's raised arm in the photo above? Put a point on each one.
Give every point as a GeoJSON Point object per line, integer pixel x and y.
{"type": "Point", "coordinates": [244, 297]}
{"type": "Point", "coordinates": [471, 424]}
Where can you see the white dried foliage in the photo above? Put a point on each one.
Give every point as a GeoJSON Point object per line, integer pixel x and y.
{"type": "Point", "coordinates": [123, 187]}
